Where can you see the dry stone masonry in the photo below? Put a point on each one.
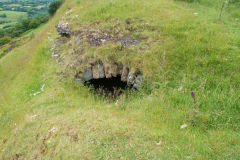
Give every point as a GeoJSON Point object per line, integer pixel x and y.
{"type": "Point", "coordinates": [98, 69]}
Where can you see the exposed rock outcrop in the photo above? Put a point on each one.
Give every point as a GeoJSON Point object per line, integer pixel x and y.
{"type": "Point", "coordinates": [64, 29]}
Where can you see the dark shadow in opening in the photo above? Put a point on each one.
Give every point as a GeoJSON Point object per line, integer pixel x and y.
{"type": "Point", "coordinates": [108, 87]}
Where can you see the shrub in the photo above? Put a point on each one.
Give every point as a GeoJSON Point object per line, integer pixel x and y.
{"type": "Point", "coordinates": [3, 15]}
{"type": "Point", "coordinates": [54, 7]}
{"type": "Point", "coordinates": [4, 40]}
{"type": "Point", "coordinates": [34, 23]}
{"type": "Point", "coordinates": [234, 1]}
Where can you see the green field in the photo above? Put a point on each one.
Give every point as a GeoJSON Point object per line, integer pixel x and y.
{"type": "Point", "coordinates": [12, 17]}
{"type": "Point", "coordinates": [16, 10]}
{"type": "Point", "coordinates": [187, 48]}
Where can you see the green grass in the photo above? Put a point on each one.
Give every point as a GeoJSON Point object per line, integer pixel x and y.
{"type": "Point", "coordinates": [12, 17]}
{"type": "Point", "coordinates": [190, 53]}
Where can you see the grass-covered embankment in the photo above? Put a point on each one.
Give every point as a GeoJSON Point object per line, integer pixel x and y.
{"type": "Point", "coordinates": [192, 52]}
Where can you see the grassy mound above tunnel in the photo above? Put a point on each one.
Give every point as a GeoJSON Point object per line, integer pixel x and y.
{"type": "Point", "coordinates": [46, 114]}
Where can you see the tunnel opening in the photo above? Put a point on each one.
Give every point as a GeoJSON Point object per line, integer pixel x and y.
{"type": "Point", "coordinates": [108, 87]}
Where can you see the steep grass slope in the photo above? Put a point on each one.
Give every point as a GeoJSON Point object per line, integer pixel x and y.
{"type": "Point", "coordinates": [192, 52]}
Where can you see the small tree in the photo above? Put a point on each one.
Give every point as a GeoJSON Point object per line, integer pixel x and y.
{"type": "Point", "coordinates": [53, 7]}
{"type": "Point", "coordinates": [34, 23]}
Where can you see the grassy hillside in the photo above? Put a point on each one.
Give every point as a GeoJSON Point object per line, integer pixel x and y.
{"type": "Point", "coordinates": [190, 50]}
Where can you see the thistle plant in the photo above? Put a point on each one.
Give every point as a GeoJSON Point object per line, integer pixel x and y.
{"type": "Point", "coordinates": [195, 111]}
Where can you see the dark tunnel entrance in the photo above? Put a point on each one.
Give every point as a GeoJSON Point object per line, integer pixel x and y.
{"type": "Point", "coordinates": [108, 87]}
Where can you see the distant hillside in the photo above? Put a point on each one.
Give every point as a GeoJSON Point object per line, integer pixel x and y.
{"type": "Point", "coordinates": [17, 10]}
